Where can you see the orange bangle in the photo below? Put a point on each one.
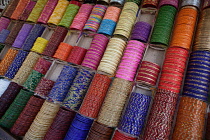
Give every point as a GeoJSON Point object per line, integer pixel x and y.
{"type": "Point", "coordinates": [19, 9]}
{"type": "Point", "coordinates": [184, 27]}
{"type": "Point", "coordinates": [7, 60]}
{"type": "Point", "coordinates": [190, 119]}
{"type": "Point", "coordinates": [63, 51]}
{"type": "Point", "coordinates": [95, 96]}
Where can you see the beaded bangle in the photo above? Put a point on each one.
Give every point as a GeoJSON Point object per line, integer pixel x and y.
{"type": "Point", "coordinates": [199, 89]}
{"type": "Point", "coordinates": [44, 87]}
{"type": "Point", "coordinates": [173, 68]}
{"type": "Point", "coordinates": [79, 128]}
{"type": "Point", "coordinates": [57, 37]}
{"type": "Point", "coordinates": [35, 32]}
{"type": "Point", "coordinates": [130, 60]}
{"type": "Point", "coordinates": [133, 119]}
{"type": "Point", "coordinates": [126, 20]}
{"type": "Point", "coordinates": [14, 32]}
{"type": "Point", "coordinates": [163, 26]}
{"type": "Point", "coordinates": [32, 80]}
{"type": "Point", "coordinates": [26, 68]}
{"type": "Point", "coordinates": [3, 35]}
{"type": "Point", "coordinates": [16, 64]}
{"type": "Point", "coordinates": [95, 18]}
{"type": "Point", "coordinates": [4, 22]}
{"type": "Point", "coordinates": [10, 8]}
{"type": "Point", "coordinates": [39, 45]}
{"type": "Point", "coordinates": [76, 55]}
{"type": "Point", "coordinates": [150, 3]}
{"type": "Point", "coordinates": [69, 15]}
{"type": "Point", "coordinates": [201, 41]}
{"type": "Point", "coordinates": [154, 71]}
{"type": "Point", "coordinates": [99, 131]}
{"type": "Point", "coordinates": [122, 136]}
{"type": "Point", "coordinates": [81, 17]}
{"type": "Point", "coordinates": [173, 3]}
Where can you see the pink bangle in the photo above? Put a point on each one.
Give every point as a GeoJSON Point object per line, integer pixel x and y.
{"type": "Point", "coordinates": [47, 11]}
{"type": "Point", "coordinates": [81, 17]}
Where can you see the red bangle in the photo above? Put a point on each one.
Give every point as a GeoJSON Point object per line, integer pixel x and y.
{"type": "Point", "coordinates": [95, 96]}
{"type": "Point", "coordinates": [76, 55]}
{"type": "Point", "coordinates": [75, 3]}
{"type": "Point", "coordinates": [120, 136]}
{"type": "Point", "coordinates": [169, 87]}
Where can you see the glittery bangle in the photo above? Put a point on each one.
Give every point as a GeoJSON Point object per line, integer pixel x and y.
{"type": "Point", "coordinates": [58, 12]}
{"type": "Point", "coordinates": [19, 9]}
{"type": "Point", "coordinates": [95, 96]}
{"type": "Point", "coordinates": [42, 121]}
{"type": "Point", "coordinates": [47, 11]}
{"type": "Point", "coordinates": [60, 124]}
{"type": "Point", "coordinates": [190, 119]}
{"type": "Point", "coordinates": [62, 84]}
{"type": "Point", "coordinates": [15, 109]}
{"type": "Point", "coordinates": [133, 119]}
{"type": "Point", "coordinates": [76, 93]}
{"type": "Point", "coordinates": [7, 60]}
{"type": "Point", "coordinates": [114, 102]}
{"type": "Point", "coordinates": [27, 116]}
{"type": "Point", "coordinates": [35, 13]}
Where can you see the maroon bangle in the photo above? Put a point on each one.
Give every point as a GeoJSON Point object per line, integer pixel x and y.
{"type": "Point", "coordinates": [77, 55]}
{"type": "Point", "coordinates": [44, 87]}
{"type": "Point", "coordinates": [60, 125]}
{"type": "Point", "coordinates": [120, 136]}
{"type": "Point", "coordinates": [150, 3]}
{"type": "Point", "coordinates": [75, 3]}
{"type": "Point", "coordinates": [27, 116]}
{"type": "Point", "coordinates": [161, 115]}
{"type": "Point", "coordinates": [148, 73]}
{"type": "Point", "coordinates": [169, 2]}
{"type": "Point", "coordinates": [95, 96]}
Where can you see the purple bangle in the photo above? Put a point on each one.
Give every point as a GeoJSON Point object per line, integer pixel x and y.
{"type": "Point", "coordinates": [47, 11]}
{"type": "Point", "coordinates": [169, 2]}
{"type": "Point", "coordinates": [4, 22]}
{"type": "Point", "coordinates": [22, 35]}
{"type": "Point", "coordinates": [29, 7]}
{"type": "Point", "coordinates": [141, 31]}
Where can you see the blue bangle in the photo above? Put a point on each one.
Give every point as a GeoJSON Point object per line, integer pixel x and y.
{"type": "Point", "coordinates": [134, 117]}
{"type": "Point", "coordinates": [62, 84]}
